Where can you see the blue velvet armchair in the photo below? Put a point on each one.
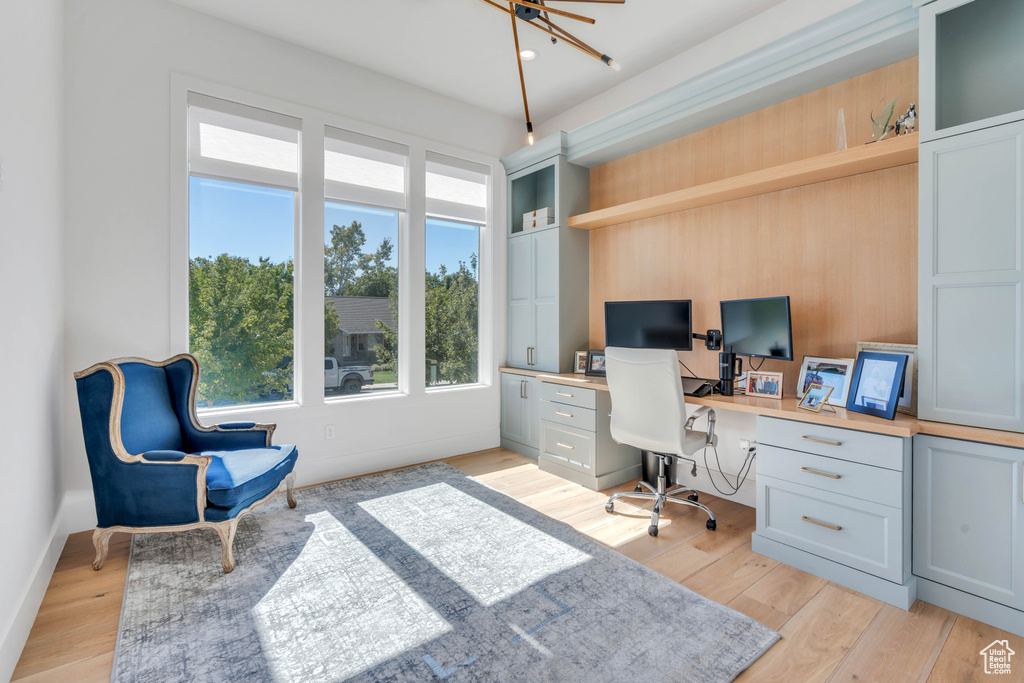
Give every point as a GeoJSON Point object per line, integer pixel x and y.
{"type": "Point", "coordinates": [155, 468]}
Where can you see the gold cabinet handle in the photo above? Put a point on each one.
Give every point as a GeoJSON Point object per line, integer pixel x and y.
{"type": "Point", "coordinates": [808, 470]}
{"type": "Point", "coordinates": [824, 441]}
{"type": "Point", "coordinates": [562, 393]}
{"type": "Point", "coordinates": [833, 527]}
{"type": "Point", "coordinates": [565, 445]}
{"type": "Point", "coordinates": [522, 388]}
{"type": "Point", "coordinates": [559, 412]}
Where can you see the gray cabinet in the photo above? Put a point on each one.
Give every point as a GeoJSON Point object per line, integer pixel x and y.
{"type": "Point", "coordinates": [968, 513]}
{"type": "Point", "coordinates": [548, 267]}
{"type": "Point", "coordinates": [520, 414]}
{"type": "Point", "coordinates": [971, 359]}
{"type": "Point", "coordinates": [575, 438]}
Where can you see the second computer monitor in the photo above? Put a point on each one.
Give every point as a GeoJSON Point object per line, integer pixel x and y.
{"type": "Point", "coordinates": [649, 324]}
{"type": "Point", "coordinates": [758, 327]}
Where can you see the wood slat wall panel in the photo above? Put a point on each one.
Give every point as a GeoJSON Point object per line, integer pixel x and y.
{"type": "Point", "coordinates": [845, 251]}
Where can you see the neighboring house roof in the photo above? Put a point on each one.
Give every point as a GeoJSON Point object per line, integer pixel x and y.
{"type": "Point", "coordinates": [357, 314]}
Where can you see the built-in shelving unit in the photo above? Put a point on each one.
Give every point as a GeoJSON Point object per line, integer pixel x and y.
{"type": "Point", "coordinates": [898, 151]}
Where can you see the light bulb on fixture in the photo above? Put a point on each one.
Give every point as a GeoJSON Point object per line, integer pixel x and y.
{"type": "Point", "coordinates": [529, 132]}
{"type": "Point", "coordinates": [611, 62]}
{"type": "Point", "coordinates": [527, 55]}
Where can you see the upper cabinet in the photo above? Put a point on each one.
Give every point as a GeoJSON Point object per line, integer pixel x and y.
{"type": "Point", "coordinates": [972, 58]}
{"type": "Point", "coordinates": [548, 263]}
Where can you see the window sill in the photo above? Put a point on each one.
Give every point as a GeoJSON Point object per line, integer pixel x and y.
{"type": "Point", "coordinates": [247, 409]}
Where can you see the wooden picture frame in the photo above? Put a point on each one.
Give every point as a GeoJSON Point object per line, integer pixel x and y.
{"type": "Point", "coordinates": [763, 384]}
{"type": "Point", "coordinates": [908, 393]}
{"type": "Point", "coordinates": [815, 398]}
{"type": "Point", "coordinates": [579, 365]}
{"type": "Point", "coordinates": [833, 372]}
{"type": "Point", "coordinates": [877, 379]}
{"type": "Point", "coordinates": [595, 363]}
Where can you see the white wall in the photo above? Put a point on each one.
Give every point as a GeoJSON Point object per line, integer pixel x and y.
{"type": "Point", "coordinates": [120, 55]}
{"type": "Point", "coordinates": [31, 311]}
{"type": "Point", "coordinates": [767, 27]}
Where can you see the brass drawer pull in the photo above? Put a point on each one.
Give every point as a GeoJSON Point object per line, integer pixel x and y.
{"type": "Point", "coordinates": [559, 412]}
{"type": "Point", "coordinates": [833, 527]}
{"type": "Point", "coordinates": [808, 470]}
{"type": "Point", "coordinates": [564, 445]}
{"type": "Point", "coordinates": [562, 393]}
{"type": "Point", "coordinates": [824, 441]}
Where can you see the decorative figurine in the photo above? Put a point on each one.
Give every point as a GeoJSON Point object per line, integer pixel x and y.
{"type": "Point", "coordinates": [906, 123]}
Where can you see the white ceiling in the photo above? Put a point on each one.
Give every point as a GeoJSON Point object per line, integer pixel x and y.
{"type": "Point", "coordinates": [463, 48]}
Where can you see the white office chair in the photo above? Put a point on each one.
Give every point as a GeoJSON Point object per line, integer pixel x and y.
{"type": "Point", "coordinates": [649, 413]}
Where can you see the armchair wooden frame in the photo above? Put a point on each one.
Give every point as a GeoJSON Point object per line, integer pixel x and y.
{"type": "Point", "coordinates": [225, 529]}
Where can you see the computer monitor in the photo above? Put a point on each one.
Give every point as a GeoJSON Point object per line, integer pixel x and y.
{"type": "Point", "coordinates": [760, 328]}
{"type": "Point", "coordinates": [649, 324]}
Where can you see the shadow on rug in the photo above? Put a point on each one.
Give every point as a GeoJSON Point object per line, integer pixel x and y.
{"type": "Point", "coordinates": [420, 574]}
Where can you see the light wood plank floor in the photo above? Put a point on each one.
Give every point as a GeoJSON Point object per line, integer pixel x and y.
{"type": "Point", "coordinates": [829, 633]}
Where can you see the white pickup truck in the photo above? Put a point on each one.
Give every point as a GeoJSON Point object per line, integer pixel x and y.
{"type": "Point", "coordinates": [348, 380]}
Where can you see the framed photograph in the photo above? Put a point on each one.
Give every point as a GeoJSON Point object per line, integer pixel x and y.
{"type": "Point", "coordinates": [815, 398]}
{"type": "Point", "coordinates": [908, 392]}
{"type": "Point", "coordinates": [764, 384]}
{"type": "Point", "coordinates": [828, 372]}
{"type": "Point", "coordinates": [595, 363]}
{"type": "Point", "coordinates": [580, 366]}
{"type": "Point", "coordinates": [875, 387]}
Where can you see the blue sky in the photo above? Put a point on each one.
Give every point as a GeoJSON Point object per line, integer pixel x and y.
{"type": "Point", "coordinates": [251, 221]}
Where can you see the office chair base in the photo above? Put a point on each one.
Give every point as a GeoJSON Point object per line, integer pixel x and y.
{"type": "Point", "coordinates": [660, 496]}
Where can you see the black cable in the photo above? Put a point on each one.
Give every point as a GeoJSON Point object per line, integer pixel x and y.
{"type": "Point", "coordinates": [741, 476]}
{"type": "Point", "coordinates": [751, 365]}
{"type": "Point", "coordinates": [692, 373]}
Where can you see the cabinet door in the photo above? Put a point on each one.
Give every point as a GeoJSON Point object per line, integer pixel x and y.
{"type": "Point", "coordinates": [545, 300]}
{"type": "Point", "coordinates": [520, 300]}
{"type": "Point", "coordinates": [512, 407]}
{"type": "Point", "coordinates": [531, 412]}
{"type": "Point", "coordinates": [970, 343]}
{"type": "Point", "coordinates": [968, 516]}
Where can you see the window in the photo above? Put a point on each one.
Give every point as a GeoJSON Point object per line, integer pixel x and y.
{"type": "Point", "coordinates": [365, 204]}
{"type": "Point", "coordinates": [243, 203]}
{"type": "Point", "coordinates": [456, 211]}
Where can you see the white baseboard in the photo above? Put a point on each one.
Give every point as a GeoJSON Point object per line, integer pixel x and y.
{"type": "Point", "coordinates": [16, 630]}
{"type": "Point", "coordinates": [79, 509]}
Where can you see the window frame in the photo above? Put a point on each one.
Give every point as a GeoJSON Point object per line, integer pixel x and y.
{"type": "Point", "coordinates": [309, 265]}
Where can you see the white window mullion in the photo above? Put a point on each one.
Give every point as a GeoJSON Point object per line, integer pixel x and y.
{"type": "Point", "coordinates": [309, 266]}
{"type": "Point", "coordinates": [412, 284]}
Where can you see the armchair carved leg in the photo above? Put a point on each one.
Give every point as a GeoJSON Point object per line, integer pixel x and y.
{"type": "Point", "coordinates": [101, 541]}
{"type": "Point", "coordinates": [227, 530]}
{"type": "Point", "coordinates": [290, 483]}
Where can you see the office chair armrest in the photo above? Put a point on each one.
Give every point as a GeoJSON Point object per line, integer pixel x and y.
{"type": "Point", "coordinates": [700, 412]}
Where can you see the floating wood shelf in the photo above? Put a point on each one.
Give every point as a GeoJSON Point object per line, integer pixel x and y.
{"type": "Point", "coordinates": [898, 151]}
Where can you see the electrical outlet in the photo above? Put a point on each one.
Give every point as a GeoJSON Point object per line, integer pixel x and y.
{"type": "Point", "coordinates": [329, 432]}
{"type": "Point", "coordinates": [744, 445]}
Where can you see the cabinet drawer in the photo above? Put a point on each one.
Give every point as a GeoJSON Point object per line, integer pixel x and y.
{"type": "Point", "coordinates": [856, 533]}
{"type": "Point", "coordinates": [853, 479]}
{"type": "Point", "coordinates": [567, 445]}
{"type": "Point", "coordinates": [569, 415]}
{"type": "Point", "coordinates": [573, 396]}
{"type": "Point", "coordinates": [832, 442]}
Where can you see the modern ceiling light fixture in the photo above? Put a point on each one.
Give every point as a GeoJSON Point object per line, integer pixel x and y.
{"type": "Point", "coordinates": [536, 14]}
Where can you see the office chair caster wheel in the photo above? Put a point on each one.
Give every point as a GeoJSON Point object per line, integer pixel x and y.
{"type": "Point", "coordinates": [693, 497]}
{"type": "Point", "coordinates": [609, 507]}
{"type": "Point", "coordinates": [712, 525]}
{"type": "Point", "coordinates": [652, 530]}
{"type": "Point", "coordinates": [638, 489]}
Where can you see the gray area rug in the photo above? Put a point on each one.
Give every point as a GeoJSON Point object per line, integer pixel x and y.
{"type": "Point", "coordinates": [421, 574]}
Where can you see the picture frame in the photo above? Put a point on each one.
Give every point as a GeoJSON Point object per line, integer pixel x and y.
{"type": "Point", "coordinates": [579, 366]}
{"type": "Point", "coordinates": [763, 384]}
{"type": "Point", "coordinates": [908, 393]}
{"type": "Point", "coordinates": [876, 383]}
{"type": "Point", "coordinates": [833, 372]}
{"type": "Point", "coordinates": [595, 363]}
{"type": "Point", "coordinates": [815, 398]}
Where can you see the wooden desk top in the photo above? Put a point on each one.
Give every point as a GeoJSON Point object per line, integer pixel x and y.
{"type": "Point", "coordinates": [902, 425]}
